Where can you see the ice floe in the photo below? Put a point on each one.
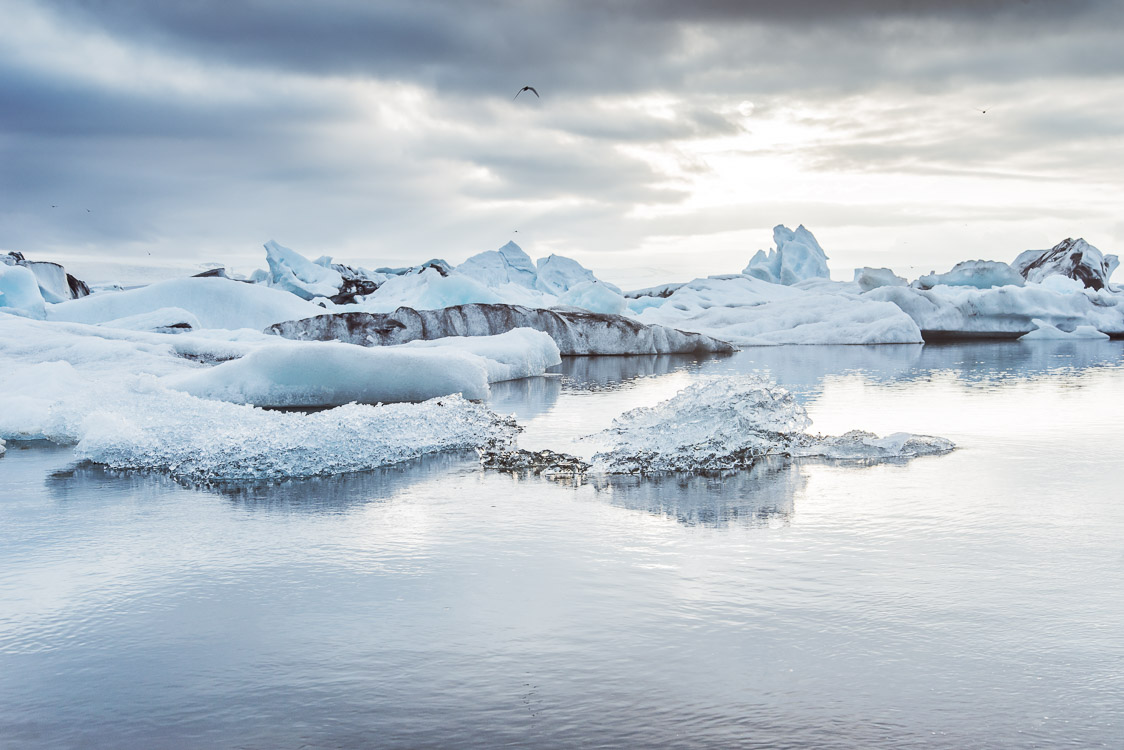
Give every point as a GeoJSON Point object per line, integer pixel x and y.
{"type": "Point", "coordinates": [730, 423]}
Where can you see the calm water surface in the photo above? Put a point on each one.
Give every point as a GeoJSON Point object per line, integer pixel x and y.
{"type": "Point", "coordinates": [974, 600]}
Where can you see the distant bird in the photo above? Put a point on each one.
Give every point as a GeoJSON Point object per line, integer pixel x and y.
{"type": "Point", "coordinates": [87, 210]}
{"type": "Point", "coordinates": [54, 206]}
{"type": "Point", "coordinates": [981, 111]}
{"type": "Point", "coordinates": [525, 88]}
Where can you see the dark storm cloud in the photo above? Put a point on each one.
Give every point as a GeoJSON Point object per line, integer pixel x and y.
{"type": "Point", "coordinates": [611, 47]}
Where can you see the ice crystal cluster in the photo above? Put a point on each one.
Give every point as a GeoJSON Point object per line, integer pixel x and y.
{"type": "Point", "coordinates": [717, 425]}
{"type": "Point", "coordinates": [210, 440]}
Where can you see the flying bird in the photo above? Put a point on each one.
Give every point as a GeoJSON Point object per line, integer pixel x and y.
{"type": "Point", "coordinates": [525, 88]}
{"type": "Point", "coordinates": [981, 111]}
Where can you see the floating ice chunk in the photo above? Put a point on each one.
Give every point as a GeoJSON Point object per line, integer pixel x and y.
{"type": "Point", "coordinates": [19, 292]}
{"type": "Point", "coordinates": [797, 257]}
{"type": "Point", "coordinates": [750, 312]}
{"type": "Point", "coordinates": [292, 272]}
{"type": "Point", "coordinates": [981, 274]}
{"type": "Point", "coordinates": [731, 423]}
{"type": "Point", "coordinates": [871, 278]}
{"type": "Point", "coordinates": [163, 320]}
{"type": "Point", "coordinates": [723, 424]}
{"type": "Point", "coordinates": [508, 265]}
{"type": "Point", "coordinates": [1062, 284]}
{"type": "Point", "coordinates": [330, 374]}
{"type": "Point", "coordinates": [1076, 259]}
{"type": "Point", "coordinates": [519, 353]}
{"type": "Point", "coordinates": [210, 440]}
{"type": "Point", "coordinates": [1045, 331]}
{"type": "Point", "coordinates": [595, 297]}
{"type": "Point", "coordinates": [215, 303]}
{"type": "Point", "coordinates": [1002, 312]}
{"type": "Point", "coordinates": [858, 445]}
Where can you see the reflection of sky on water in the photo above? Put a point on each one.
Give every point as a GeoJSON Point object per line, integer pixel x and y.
{"type": "Point", "coordinates": [954, 601]}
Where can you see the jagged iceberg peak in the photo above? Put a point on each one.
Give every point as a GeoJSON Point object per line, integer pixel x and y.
{"type": "Point", "coordinates": [508, 265]}
{"type": "Point", "coordinates": [55, 284]}
{"type": "Point", "coordinates": [1074, 258]}
{"type": "Point", "coordinates": [981, 274]}
{"type": "Point", "coordinates": [291, 271]}
{"type": "Point", "coordinates": [796, 257]}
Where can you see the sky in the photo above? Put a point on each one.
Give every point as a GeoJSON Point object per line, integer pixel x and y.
{"type": "Point", "coordinates": [667, 141]}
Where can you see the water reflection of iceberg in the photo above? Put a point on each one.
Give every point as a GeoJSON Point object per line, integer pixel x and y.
{"type": "Point", "coordinates": [804, 368]}
{"type": "Point", "coordinates": [526, 398]}
{"type": "Point", "coordinates": [609, 373]}
{"type": "Point", "coordinates": [760, 496]}
{"type": "Point", "coordinates": [337, 493]}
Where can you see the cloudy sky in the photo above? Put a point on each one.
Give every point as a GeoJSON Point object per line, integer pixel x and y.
{"type": "Point", "coordinates": [670, 137]}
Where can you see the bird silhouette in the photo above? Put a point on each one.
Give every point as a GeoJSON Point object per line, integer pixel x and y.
{"type": "Point", "coordinates": [981, 111]}
{"type": "Point", "coordinates": [525, 88]}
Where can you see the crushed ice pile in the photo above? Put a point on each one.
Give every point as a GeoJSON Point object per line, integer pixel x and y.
{"type": "Point", "coordinates": [731, 423]}
{"type": "Point", "coordinates": [209, 440]}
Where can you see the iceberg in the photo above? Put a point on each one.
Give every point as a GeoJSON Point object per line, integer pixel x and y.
{"type": "Point", "coordinates": [981, 274]}
{"type": "Point", "coordinates": [731, 423]}
{"type": "Point", "coordinates": [946, 312]}
{"type": "Point", "coordinates": [508, 265]}
{"type": "Point", "coordinates": [594, 296]}
{"type": "Point", "coordinates": [19, 292]}
{"type": "Point", "coordinates": [747, 311]}
{"type": "Point", "coordinates": [868, 278]}
{"type": "Point", "coordinates": [1076, 259]}
{"type": "Point", "coordinates": [55, 284]}
{"type": "Point", "coordinates": [292, 272]}
{"type": "Point", "coordinates": [575, 332]}
{"type": "Point", "coordinates": [163, 320]}
{"type": "Point", "coordinates": [214, 302]}
{"type": "Point", "coordinates": [797, 257]}
{"type": "Point", "coordinates": [558, 274]}
{"type": "Point", "coordinates": [430, 290]}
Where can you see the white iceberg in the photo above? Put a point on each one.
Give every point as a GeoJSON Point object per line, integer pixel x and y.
{"type": "Point", "coordinates": [292, 272]}
{"type": "Point", "coordinates": [214, 303]}
{"type": "Point", "coordinates": [1003, 312]}
{"type": "Point", "coordinates": [55, 284]}
{"type": "Point", "coordinates": [1072, 258]}
{"type": "Point", "coordinates": [868, 278]}
{"type": "Point", "coordinates": [558, 274]}
{"type": "Point", "coordinates": [431, 290]}
{"type": "Point", "coordinates": [796, 257]}
{"type": "Point", "coordinates": [981, 274]}
{"type": "Point", "coordinates": [19, 292]}
{"type": "Point", "coordinates": [508, 265]}
{"type": "Point", "coordinates": [749, 312]}
{"type": "Point", "coordinates": [594, 296]}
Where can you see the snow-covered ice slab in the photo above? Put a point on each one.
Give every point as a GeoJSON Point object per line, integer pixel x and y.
{"type": "Point", "coordinates": [731, 423]}
{"type": "Point", "coordinates": [946, 312]}
{"type": "Point", "coordinates": [55, 284]}
{"type": "Point", "coordinates": [575, 332]}
{"type": "Point", "coordinates": [214, 302]}
{"type": "Point", "coordinates": [981, 274]}
{"type": "Point", "coordinates": [750, 312]}
{"type": "Point", "coordinates": [315, 373]}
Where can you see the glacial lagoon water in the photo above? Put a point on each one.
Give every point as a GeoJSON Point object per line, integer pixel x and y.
{"type": "Point", "coordinates": [973, 600]}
